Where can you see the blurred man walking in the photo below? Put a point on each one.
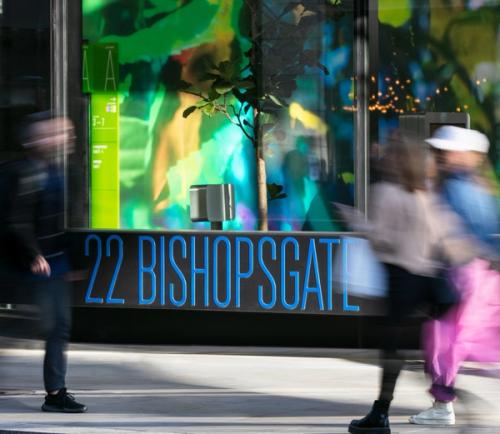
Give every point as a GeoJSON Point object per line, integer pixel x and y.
{"type": "Point", "coordinates": [36, 228]}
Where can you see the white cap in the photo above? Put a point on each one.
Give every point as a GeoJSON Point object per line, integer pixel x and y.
{"type": "Point", "coordinates": [450, 138]}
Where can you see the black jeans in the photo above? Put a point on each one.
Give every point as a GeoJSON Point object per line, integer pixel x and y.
{"type": "Point", "coordinates": [53, 297]}
{"type": "Point", "coordinates": [407, 294]}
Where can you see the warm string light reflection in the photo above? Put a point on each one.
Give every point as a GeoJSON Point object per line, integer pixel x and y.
{"type": "Point", "coordinates": [398, 93]}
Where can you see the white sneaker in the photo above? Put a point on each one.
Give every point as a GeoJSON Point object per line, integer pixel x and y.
{"type": "Point", "coordinates": [441, 413]}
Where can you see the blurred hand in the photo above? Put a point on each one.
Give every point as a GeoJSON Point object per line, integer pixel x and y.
{"type": "Point", "coordinates": [40, 266]}
{"type": "Point", "coordinates": [353, 218]}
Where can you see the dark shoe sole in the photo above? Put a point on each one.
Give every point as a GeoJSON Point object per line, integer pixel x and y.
{"type": "Point", "coordinates": [359, 430]}
{"type": "Point", "coordinates": [54, 409]}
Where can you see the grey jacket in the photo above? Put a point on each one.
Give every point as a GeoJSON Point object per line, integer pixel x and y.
{"type": "Point", "coordinates": [414, 230]}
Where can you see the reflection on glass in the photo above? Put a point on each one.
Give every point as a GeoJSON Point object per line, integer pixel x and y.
{"type": "Point", "coordinates": [438, 56]}
{"type": "Point", "coordinates": [311, 152]}
{"type": "Point", "coordinates": [24, 67]}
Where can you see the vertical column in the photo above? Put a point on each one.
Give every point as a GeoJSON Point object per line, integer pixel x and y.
{"type": "Point", "coordinates": [361, 121]}
{"type": "Point", "coordinates": [58, 74]}
{"type": "Point", "coordinates": [59, 53]}
{"type": "Point", "coordinates": [66, 100]}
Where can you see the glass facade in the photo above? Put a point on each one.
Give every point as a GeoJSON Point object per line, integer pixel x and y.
{"type": "Point", "coordinates": [141, 154]}
{"type": "Point", "coordinates": [25, 73]}
{"type": "Point", "coordinates": [310, 152]}
{"type": "Point", "coordinates": [439, 56]}
{"type": "Point", "coordinates": [158, 154]}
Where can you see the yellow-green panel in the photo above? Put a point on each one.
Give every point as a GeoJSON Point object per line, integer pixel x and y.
{"type": "Point", "coordinates": [105, 210]}
{"type": "Point", "coordinates": [104, 161]}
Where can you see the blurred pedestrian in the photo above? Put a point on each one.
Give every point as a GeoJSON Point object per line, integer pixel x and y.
{"type": "Point", "coordinates": [470, 330]}
{"type": "Point", "coordinates": [406, 227]}
{"type": "Point", "coordinates": [36, 229]}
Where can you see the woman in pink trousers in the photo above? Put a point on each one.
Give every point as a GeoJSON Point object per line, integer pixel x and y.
{"type": "Point", "coordinates": [470, 331]}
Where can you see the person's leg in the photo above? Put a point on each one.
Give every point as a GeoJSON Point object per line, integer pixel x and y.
{"type": "Point", "coordinates": [377, 420]}
{"type": "Point", "coordinates": [439, 339]}
{"type": "Point", "coordinates": [54, 364]}
{"type": "Point", "coordinates": [441, 412]}
{"type": "Point", "coordinates": [469, 329]}
{"type": "Point", "coordinates": [443, 393]}
{"type": "Point", "coordinates": [392, 364]}
{"type": "Point", "coordinates": [404, 300]}
{"type": "Point", "coordinates": [56, 322]}
{"type": "Point", "coordinates": [401, 303]}
{"type": "Point", "coordinates": [47, 313]}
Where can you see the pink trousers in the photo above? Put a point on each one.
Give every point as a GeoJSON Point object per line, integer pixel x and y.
{"type": "Point", "coordinates": [470, 331]}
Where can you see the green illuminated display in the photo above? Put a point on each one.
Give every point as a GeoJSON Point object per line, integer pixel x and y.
{"type": "Point", "coordinates": [158, 154]}
{"type": "Point", "coordinates": [105, 176]}
{"type": "Point", "coordinates": [100, 68]}
{"type": "Point", "coordinates": [100, 79]}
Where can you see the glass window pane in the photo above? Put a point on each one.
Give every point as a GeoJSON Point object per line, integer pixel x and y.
{"type": "Point", "coordinates": [439, 56]}
{"type": "Point", "coordinates": [310, 152]}
{"type": "Point", "coordinates": [24, 66]}
{"type": "Point", "coordinates": [146, 153]}
{"type": "Point", "coordinates": [158, 154]}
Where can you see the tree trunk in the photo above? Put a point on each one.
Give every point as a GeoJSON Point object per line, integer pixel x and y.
{"type": "Point", "coordinates": [260, 162]}
{"type": "Point", "coordinates": [261, 187]}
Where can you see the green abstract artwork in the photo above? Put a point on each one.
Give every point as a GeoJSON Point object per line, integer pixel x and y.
{"type": "Point", "coordinates": [143, 174]}
{"type": "Point", "coordinates": [159, 154]}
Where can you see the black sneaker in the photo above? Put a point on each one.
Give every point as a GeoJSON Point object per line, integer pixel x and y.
{"type": "Point", "coordinates": [63, 402]}
{"type": "Point", "coordinates": [375, 422]}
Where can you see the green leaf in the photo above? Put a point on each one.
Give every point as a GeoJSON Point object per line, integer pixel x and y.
{"type": "Point", "coordinates": [274, 188]}
{"type": "Point", "coordinates": [246, 108]}
{"type": "Point", "coordinates": [279, 196]}
{"type": "Point", "coordinates": [395, 13]}
{"type": "Point", "coordinates": [275, 191]}
{"type": "Point", "coordinates": [227, 69]}
{"type": "Point", "coordinates": [209, 109]}
{"type": "Point", "coordinates": [201, 103]}
{"type": "Point", "coordinates": [348, 177]}
{"type": "Point", "coordinates": [213, 94]}
{"type": "Point", "coordinates": [183, 85]}
{"type": "Point", "coordinates": [209, 76]}
{"type": "Point", "coordinates": [223, 87]}
{"type": "Point", "coordinates": [307, 14]}
{"type": "Point", "coordinates": [188, 111]}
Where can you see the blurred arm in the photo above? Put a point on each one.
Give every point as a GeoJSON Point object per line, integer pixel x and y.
{"type": "Point", "coordinates": [21, 216]}
{"type": "Point", "coordinates": [383, 212]}
{"type": "Point", "coordinates": [456, 242]}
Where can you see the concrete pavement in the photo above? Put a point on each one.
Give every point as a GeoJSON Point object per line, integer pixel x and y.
{"type": "Point", "coordinates": [224, 390]}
